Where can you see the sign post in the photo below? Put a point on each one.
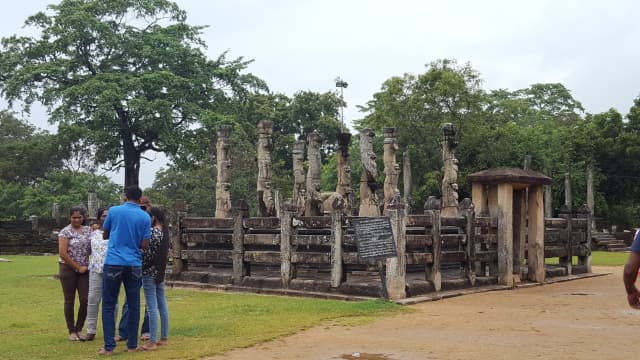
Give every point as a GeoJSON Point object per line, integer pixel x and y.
{"type": "Point", "coordinates": [374, 238]}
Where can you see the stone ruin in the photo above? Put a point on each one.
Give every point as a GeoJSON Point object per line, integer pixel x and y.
{"type": "Point", "coordinates": [499, 237]}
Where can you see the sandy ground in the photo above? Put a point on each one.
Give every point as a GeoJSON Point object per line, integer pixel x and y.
{"type": "Point", "coordinates": [581, 319]}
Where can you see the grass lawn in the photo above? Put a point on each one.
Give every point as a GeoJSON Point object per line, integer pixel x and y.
{"type": "Point", "coordinates": [599, 258]}
{"type": "Point", "coordinates": [201, 323]}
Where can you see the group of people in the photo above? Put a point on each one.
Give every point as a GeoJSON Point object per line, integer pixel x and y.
{"type": "Point", "coordinates": [127, 247]}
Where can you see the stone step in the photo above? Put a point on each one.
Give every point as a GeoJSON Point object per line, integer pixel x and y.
{"type": "Point", "coordinates": [609, 242]}
{"type": "Point", "coordinates": [624, 249]}
{"type": "Point", "coordinates": [602, 238]}
{"type": "Point", "coordinates": [617, 246]}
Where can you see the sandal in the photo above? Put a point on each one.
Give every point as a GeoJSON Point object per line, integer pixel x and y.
{"type": "Point", "coordinates": [163, 342]}
{"type": "Point", "coordinates": [145, 336]}
{"type": "Point", "coordinates": [89, 337]}
{"type": "Point", "coordinates": [74, 337]}
{"type": "Point", "coordinates": [119, 338]}
{"type": "Point", "coordinates": [104, 352]}
{"type": "Point", "coordinates": [149, 346]}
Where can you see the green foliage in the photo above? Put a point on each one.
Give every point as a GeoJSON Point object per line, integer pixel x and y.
{"type": "Point", "coordinates": [202, 323]}
{"type": "Point", "coordinates": [68, 189]}
{"type": "Point", "coordinates": [131, 73]}
{"type": "Point", "coordinates": [64, 187]}
{"type": "Point", "coordinates": [27, 153]}
{"type": "Point", "coordinates": [418, 106]}
{"type": "Point", "coordinates": [10, 195]}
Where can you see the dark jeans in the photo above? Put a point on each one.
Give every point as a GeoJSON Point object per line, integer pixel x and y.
{"type": "Point", "coordinates": [71, 282]}
{"type": "Point", "coordinates": [122, 327]}
{"type": "Point", "coordinates": [113, 276]}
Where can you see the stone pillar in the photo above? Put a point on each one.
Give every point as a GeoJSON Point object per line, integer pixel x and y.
{"type": "Point", "coordinates": [176, 238]}
{"type": "Point", "coordinates": [266, 202]}
{"type": "Point", "coordinates": [407, 181]}
{"type": "Point", "coordinates": [299, 186]}
{"type": "Point", "coordinates": [450, 172]}
{"type": "Point", "coordinates": [313, 205]}
{"type": "Point", "coordinates": [568, 199]}
{"type": "Point", "coordinates": [337, 268]}
{"type": "Point", "coordinates": [391, 167]}
{"type": "Point", "coordinates": [479, 198]}
{"type": "Point", "coordinates": [240, 212]}
{"type": "Point", "coordinates": [92, 206]}
{"type": "Point", "coordinates": [548, 202]}
{"type": "Point", "coordinates": [519, 232]}
{"type": "Point", "coordinates": [34, 222]}
{"type": "Point", "coordinates": [396, 266]}
{"type": "Point", "coordinates": [505, 234]}
{"type": "Point", "coordinates": [467, 211]}
{"type": "Point", "coordinates": [223, 181]}
{"type": "Point", "coordinates": [432, 272]}
{"type": "Point", "coordinates": [55, 213]}
{"type": "Point", "coordinates": [566, 261]}
{"type": "Point", "coordinates": [277, 199]}
{"type": "Point", "coordinates": [286, 231]}
{"type": "Point", "coordinates": [369, 205]}
{"type": "Point", "coordinates": [343, 158]}
{"type": "Point", "coordinates": [590, 197]}
{"type": "Point", "coordinates": [535, 260]}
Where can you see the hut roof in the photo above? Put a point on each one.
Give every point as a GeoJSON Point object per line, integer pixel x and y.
{"type": "Point", "coordinates": [509, 175]}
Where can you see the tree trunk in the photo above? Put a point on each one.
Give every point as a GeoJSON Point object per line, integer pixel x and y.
{"type": "Point", "coordinates": [131, 163]}
{"type": "Point", "coordinates": [130, 152]}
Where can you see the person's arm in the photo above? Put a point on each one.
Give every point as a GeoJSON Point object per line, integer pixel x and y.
{"type": "Point", "coordinates": [63, 251]}
{"type": "Point", "coordinates": [106, 228]}
{"type": "Point", "coordinates": [629, 276]}
{"type": "Point", "coordinates": [144, 244]}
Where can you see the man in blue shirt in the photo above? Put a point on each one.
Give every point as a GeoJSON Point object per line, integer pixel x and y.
{"type": "Point", "coordinates": [631, 273]}
{"type": "Point", "coordinates": [128, 229]}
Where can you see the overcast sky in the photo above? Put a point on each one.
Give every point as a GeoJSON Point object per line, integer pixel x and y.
{"type": "Point", "coordinates": [589, 46]}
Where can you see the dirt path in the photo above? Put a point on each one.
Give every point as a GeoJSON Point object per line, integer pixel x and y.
{"type": "Point", "coordinates": [581, 319]}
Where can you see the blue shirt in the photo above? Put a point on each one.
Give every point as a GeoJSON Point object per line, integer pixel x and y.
{"type": "Point", "coordinates": [128, 226]}
{"type": "Point", "coordinates": [635, 247]}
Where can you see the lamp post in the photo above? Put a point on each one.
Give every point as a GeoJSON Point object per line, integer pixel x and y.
{"type": "Point", "coordinates": [342, 85]}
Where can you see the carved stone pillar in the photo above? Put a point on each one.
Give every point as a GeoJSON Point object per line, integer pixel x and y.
{"type": "Point", "coordinates": [266, 201]}
{"type": "Point", "coordinates": [92, 206]}
{"type": "Point", "coordinates": [391, 167]}
{"type": "Point", "coordinates": [299, 178]}
{"type": "Point", "coordinates": [450, 170]}
{"type": "Point", "coordinates": [407, 182]}
{"type": "Point", "coordinates": [368, 200]}
{"type": "Point", "coordinates": [396, 267]}
{"type": "Point", "coordinates": [313, 205]}
{"type": "Point", "coordinates": [223, 163]}
{"type": "Point", "coordinates": [344, 171]}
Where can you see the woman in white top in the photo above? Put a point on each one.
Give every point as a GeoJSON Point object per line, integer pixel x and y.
{"type": "Point", "coordinates": [96, 263]}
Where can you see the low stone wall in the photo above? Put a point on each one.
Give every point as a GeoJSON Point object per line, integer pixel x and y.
{"type": "Point", "coordinates": [626, 236]}
{"type": "Point", "coordinates": [35, 236]}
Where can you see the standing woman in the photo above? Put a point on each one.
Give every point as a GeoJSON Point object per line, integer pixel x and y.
{"type": "Point", "coordinates": [96, 263]}
{"type": "Point", "coordinates": [154, 263]}
{"type": "Point", "coordinates": [74, 245]}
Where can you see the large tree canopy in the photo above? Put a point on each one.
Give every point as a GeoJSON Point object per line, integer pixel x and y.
{"type": "Point", "coordinates": [131, 73]}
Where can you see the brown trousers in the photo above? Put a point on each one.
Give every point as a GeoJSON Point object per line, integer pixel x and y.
{"type": "Point", "coordinates": [71, 282]}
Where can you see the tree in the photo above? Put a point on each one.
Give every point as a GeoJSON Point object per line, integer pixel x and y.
{"type": "Point", "coordinates": [131, 73]}
{"type": "Point", "coordinates": [418, 106]}
{"type": "Point", "coordinates": [67, 188]}
{"type": "Point", "coordinates": [27, 153]}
